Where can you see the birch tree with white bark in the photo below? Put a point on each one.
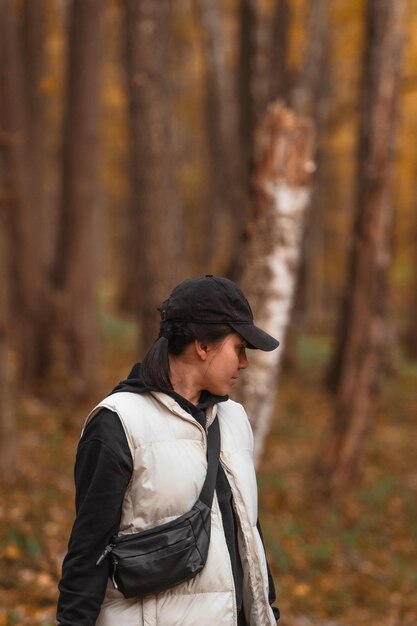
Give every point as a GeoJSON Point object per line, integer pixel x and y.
{"type": "Point", "coordinates": [281, 192]}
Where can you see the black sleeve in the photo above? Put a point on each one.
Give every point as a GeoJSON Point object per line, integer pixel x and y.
{"type": "Point", "coordinates": [103, 468]}
{"type": "Point", "coordinates": [272, 596]}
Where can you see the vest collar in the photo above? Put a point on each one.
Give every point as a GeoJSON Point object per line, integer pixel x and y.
{"type": "Point", "coordinates": [175, 408]}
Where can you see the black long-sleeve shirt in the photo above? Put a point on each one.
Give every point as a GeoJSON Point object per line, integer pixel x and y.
{"type": "Point", "coordinates": [103, 470]}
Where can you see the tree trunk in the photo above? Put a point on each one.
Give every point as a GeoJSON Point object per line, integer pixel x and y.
{"type": "Point", "coordinates": [34, 26]}
{"type": "Point", "coordinates": [29, 287]}
{"type": "Point", "coordinates": [39, 218]}
{"type": "Point", "coordinates": [364, 327]}
{"type": "Point", "coordinates": [310, 98]}
{"type": "Point", "coordinates": [226, 215]}
{"type": "Point", "coordinates": [305, 98]}
{"type": "Point", "coordinates": [76, 348]}
{"type": "Point", "coordinates": [411, 330]}
{"type": "Point", "coordinates": [9, 201]}
{"type": "Point", "coordinates": [248, 51]}
{"type": "Point", "coordinates": [155, 246]}
{"type": "Point", "coordinates": [278, 72]}
{"type": "Point", "coordinates": [283, 152]}
{"type": "Point", "coordinates": [8, 431]}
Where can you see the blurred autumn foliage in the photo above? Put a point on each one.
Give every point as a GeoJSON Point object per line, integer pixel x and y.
{"type": "Point", "coordinates": [100, 216]}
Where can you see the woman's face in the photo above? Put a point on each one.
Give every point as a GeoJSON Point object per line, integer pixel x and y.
{"type": "Point", "coordinates": [224, 360]}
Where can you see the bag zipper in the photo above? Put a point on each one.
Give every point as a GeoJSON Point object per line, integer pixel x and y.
{"type": "Point", "coordinates": [101, 558]}
{"type": "Point", "coordinates": [113, 576]}
{"type": "Point", "coordinates": [105, 552]}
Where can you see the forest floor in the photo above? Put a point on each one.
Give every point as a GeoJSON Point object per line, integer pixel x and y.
{"type": "Point", "coordinates": [349, 563]}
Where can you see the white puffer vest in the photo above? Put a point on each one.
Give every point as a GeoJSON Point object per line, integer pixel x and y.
{"type": "Point", "coordinates": [168, 449]}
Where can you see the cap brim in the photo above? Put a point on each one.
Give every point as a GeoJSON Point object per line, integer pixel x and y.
{"type": "Point", "coordinates": [257, 339]}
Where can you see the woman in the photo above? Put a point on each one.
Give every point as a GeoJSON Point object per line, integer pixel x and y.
{"type": "Point", "coordinates": [141, 461]}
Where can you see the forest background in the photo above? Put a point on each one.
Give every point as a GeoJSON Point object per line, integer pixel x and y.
{"type": "Point", "coordinates": [134, 140]}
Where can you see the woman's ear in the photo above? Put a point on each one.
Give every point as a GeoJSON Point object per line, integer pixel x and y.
{"type": "Point", "coordinates": [202, 349]}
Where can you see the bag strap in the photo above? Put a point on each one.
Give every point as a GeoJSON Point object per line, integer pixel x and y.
{"type": "Point", "coordinates": [213, 453]}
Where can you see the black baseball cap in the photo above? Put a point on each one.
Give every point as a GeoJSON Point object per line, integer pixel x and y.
{"type": "Point", "coordinates": [215, 300]}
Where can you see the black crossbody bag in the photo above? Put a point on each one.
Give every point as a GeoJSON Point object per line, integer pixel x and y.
{"type": "Point", "coordinates": [159, 558]}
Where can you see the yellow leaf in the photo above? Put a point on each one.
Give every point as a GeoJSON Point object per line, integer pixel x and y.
{"type": "Point", "coordinates": [44, 580]}
{"type": "Point", "coordinates": [301, 590]}
{"type": "Point", "coordinates": [12, 551]}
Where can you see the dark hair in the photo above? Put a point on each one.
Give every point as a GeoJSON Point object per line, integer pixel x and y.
{"type": "Point", "coordinates": [173, 339]}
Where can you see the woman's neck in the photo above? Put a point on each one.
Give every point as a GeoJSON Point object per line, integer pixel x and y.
{"type": "Point", "coordinates": [184, 379]}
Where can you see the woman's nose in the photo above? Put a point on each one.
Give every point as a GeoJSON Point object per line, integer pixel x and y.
{"type": "Point", "coordinates": [243, 360]}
